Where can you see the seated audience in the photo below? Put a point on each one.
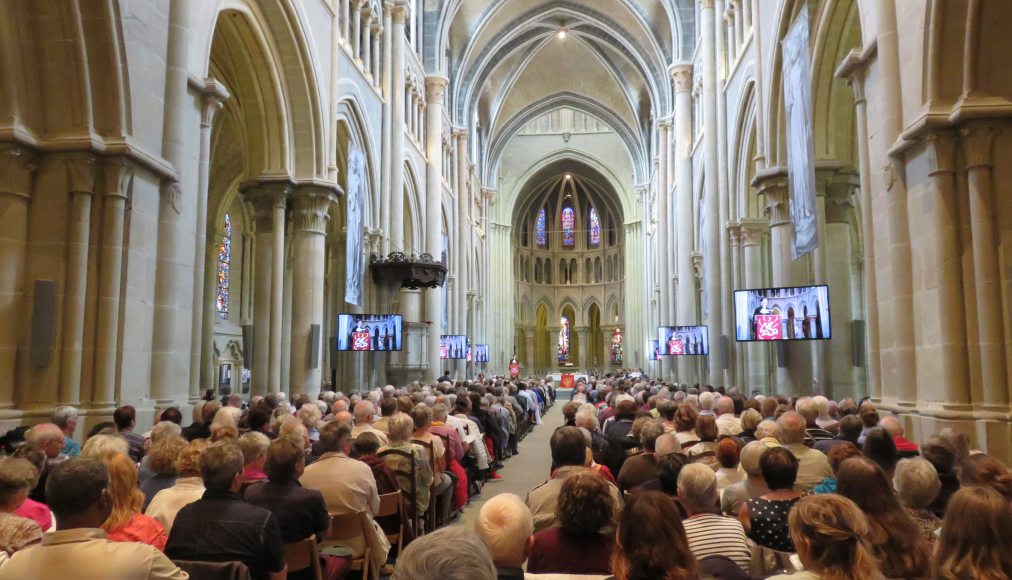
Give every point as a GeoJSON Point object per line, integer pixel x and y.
{"type": "Point", "coordinates": [728, 425]}
{"type": "Point", "coordinates": [187, 488]}
{"type": "Point", "coordinates": [895, 540]}
{"type": "Point", "coordinates": [201, 429]}
{"type": "Point", "coordinates": [829, 532]}
{"type": "Point", "coordinates": [917, 485]}
{"type": "Point", "coordinates": [569, 454]}
{"type": "Point", "coordinates": [879, 447]}
{"type": "Point", "coordinates": [65, 417]}
{"type": "Point", "coordinates": [504, 524]}
{"type": "Point", "coordinates": [300, 512]}
{"type": "Point", "coordinates": [125, 418]}
{"type": "Point", "coordinates": [940, 454]}
{"type": "Point", "coordinates": [47, 438]}
{"type": "Point", "coordinates": [982, 470]}
{"type": "Point", "coordinates": [126, 523]}
{"type": "Point", "coordinates": [76, 490]}
{"type": "Point", "coordinates": [706, 449]}
{"type": "Point", "coordinates": [577, 545]}
{"type": "Point", "coordinates": [103, 444]}
{"type": "Point", "coordinates": [869, 420]}
{"type": "Point", "coordinates": [827, 418]}
{"type": "Point", "coordinates": [765, 518]}
{"type": "Point", "coordinates": [975, 538]}
{"type": "Point", "coordinates": [904, 447]}
{"type": "Point", "coordinates": [442, 486]}
{"type": "Point", "coordinates": [17, 478]}
{"type": "Point", "coordinates": [809, 411]}
{"type": "Point", "coordinates": [160, 465]}
{"type": "Point", "coordinates": [750, 419]}
{"type": "Point", "coordinates": [642, 467]}
{"type": "Point", "coordinates": [669, 466]}
{"type": "Point", "coordinates": [709, 533]}
{"type": "Point", "coordinates": [767, 432]}
{"type": "Point", "coordinates": [813, 466]}
{"type": "Point", "coordinates": [455, 444]}
{"type": "Point", "coordinates": [837, 455]}
{"type": "Point", "coordinates": [752, 486]}
{"type": "Point", "coordinates": [727, 460]}
{"type": "Point", "coordinates": [650, 543]}
{"type": "Point", "coordinates": [848, 430]}
{"type": "Point", "coordinates": [364, 412]}
{"type": "Point", "coordinates": [253, 446]}
{"type": "Point", "coordinates": [31, 509]}
{"type": "Point", "coordinates": [685, 424]}
{"type": "Point", "coordinates": [400, 426]}
{"type": "Point", "coordinates": [450, 553]}
{"type": "Point", "coordinates": [222, 527]}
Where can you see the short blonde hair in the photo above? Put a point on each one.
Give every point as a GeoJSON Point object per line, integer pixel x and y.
{"type": "Point", "coordinates": [401, 426]}
{"type": "Point", "coordinates": [750, 419]}
{"type": "Point", "coordinates": [916, 482]}
{"type": "Point", "coordinates": [188, 461]}
{"type": "Point", "coordinates": [310, 415]}
{"type": "Point", "coordinates": [253, 445]}
{"type": "Point", "coordinates": [100, 446]}
{"type": "Point", "coordinates": [505, 525]}
{"type": "Point", "coordinates": [164, 430]}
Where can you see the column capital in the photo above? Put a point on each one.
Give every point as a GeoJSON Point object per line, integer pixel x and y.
{"type": "Point", "coordinates": [681, 73]}
{"type": "Point", "coordinates": [265, 195]}
{"type": "Point", "coordinates": [697, 265]}
{"type": "Point", "coordinates": [119, 172]}
{"type": "Point", "coordinates": [840, 196]}
{"type": "Point", "coordinates": [978, 143]}
{"type": "Point", "coordinates": [664, 124]}
{"type": "Point", "coordinates": [772, 185]}
{"type": "Point", "coordinates": [311, 203]}
{"type": "Point", "coordinates": [734, 232]}
{"type": "Point", "coordinates": [706, 4]}
{"type": "Point", "coordinates": [214, 94]}
{"type": "Point", "coordinates": [81, 168]}
{"type": "Point", "coordinates": [941, 148]}
{"type": "Point", "coordinates": [398, 9]}
{"type": "Point", "coordinates": [17, 164]}
{"type": "Point", "coordinates": [435, 86]}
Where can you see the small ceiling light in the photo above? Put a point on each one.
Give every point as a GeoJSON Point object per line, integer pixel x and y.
{"type": "Point", "coordinates": [568, 176]}
{"type": "Point", "coordinates": [562, 34]}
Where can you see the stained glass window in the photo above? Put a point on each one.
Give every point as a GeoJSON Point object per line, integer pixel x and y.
{"type": "Point", "coordinates": [564, 342]}
{"type": "Point", "coordinates": [568, 225]}
{"type": "Point", "coordinates": [541, 229]}
{"type": "Point", "coordinates": [616, 346]}
{"type": "Point", "coordinates": [595, 227]}
{"type": "Point", "coordinates": [224, 270]}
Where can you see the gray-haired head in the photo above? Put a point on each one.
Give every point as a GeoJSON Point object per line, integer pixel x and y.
{"type": "Point", "coordinates": [450, 553]}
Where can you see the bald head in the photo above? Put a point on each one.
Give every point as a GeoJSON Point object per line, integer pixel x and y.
{"type": "Point", "coordinates": [47, 437]}
{"type": "Point", "coordinates": [725, 406]}
{"type": "Point", "coordinates": [363, 413]}
{"type": "Point", "coordinates": [792, 428]}
{"type": "Point", "coordinates": [343, 417]}
{"type": "Point", "coordinates": [506, 527]}
{"type": "Point", "coordinates": [892, 425]}
{"type": "Point", "coordinates": [666, 443]}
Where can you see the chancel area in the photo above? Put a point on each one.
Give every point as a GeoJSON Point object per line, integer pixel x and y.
{"type": "Point", "coordinates": [399, 237]}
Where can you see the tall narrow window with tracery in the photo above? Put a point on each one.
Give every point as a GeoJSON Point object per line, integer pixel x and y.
{"type": "Point", "coordinates": [224, 270]}
{"type": "Point", "coordinates": [568, 227]}
{"type": "Point", "coordinates": [595, 228]}
{"type": "Point", "coordinates": [541, 229]}
{"type": "Point", "coordinates": [564, 341]}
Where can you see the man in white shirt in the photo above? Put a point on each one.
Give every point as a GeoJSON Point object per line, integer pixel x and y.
{"type": "Point", "coordinates": [727, 423]}
{"type": "Point", "coordinates": [364, 412]}
{"type": "Point", "coordinates": [813, 466]}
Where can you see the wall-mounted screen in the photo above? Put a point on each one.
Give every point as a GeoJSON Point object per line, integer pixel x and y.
{"type": "Point", "coordinates": [452, 346]}
{"type": "Point", "coordinates": [654, 352]}
{"type": "Point", "coordinates": [481, 353]}
{"type": "Point", "coordinates": [368, 332]}
{"type": "Point", "coordinates": [772, 314]}
{"type": "Point", "coordinates": [683, 340]}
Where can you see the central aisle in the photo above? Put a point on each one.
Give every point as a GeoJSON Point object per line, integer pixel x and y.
{"type": "Point", "coordinates": [522, 472]}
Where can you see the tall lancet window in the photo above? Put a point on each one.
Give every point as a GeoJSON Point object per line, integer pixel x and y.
{"type": "Point", "coordinates": [568, 227]}
{"type": "Point", "coordinates": [541, 229]}
{"type": "Point", "coordinates": [224, 270]}
{"type": "Point", "coordinates": [595, 228]}
{"type": "Point", "coordinates": [564, 341]}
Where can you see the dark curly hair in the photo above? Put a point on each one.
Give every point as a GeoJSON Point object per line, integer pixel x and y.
{"type": "Point", "coordinates": [585, 505]}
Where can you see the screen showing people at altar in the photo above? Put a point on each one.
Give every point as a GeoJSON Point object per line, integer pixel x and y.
{"type": "Point", "coordinates": [368, 332]}
{"type": "Point", "coordinates": [481, 353]}
{"type": "Point", "coordinates": [771, 314]}
{"type": "Point", "coordinates": [453, 346]}
{"type": "Point", "coordinates": [683, 340]}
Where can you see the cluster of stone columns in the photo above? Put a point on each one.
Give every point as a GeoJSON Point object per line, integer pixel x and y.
{"type": "Point", "coordinates": [361, 33]}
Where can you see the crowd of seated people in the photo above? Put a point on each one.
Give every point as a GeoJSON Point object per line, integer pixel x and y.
{"type": "Point", "coordinates": [648, 481]}
{"type": "Point", "coordinates": [248, 478]}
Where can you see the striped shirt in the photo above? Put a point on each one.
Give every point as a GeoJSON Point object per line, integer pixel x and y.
{"type": "Point", "coordinates": [713, 535]}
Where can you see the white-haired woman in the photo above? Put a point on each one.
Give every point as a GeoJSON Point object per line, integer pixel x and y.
{"type": "Point", "coordinates": [917, 485]}
{"type": "Point", "coordinates": [401, 425]}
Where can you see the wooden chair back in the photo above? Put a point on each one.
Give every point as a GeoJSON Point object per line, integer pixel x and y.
{"type": "Point", "coordinates": [410, 495]}
{"type": "Point", "coordinates": [392, 504]}
{"type": "Point", "coordinates": [430, 451]}
{"type": "Point", "coordinates": [304, 556]}
{"type": "Point", "coordinates": [345, 527]}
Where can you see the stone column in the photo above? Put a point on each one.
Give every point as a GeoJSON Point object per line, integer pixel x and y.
{"type": "Point", "coordinates": [686, 303]}
{"type": "Point", "coordinates": [118, 181]}
{"type": "Point", "coordinates": [377, 67]}
{"type": "Point", "coordinates": [530, 354]}
{"type": "Point", "coordinates": [386, 148]}
{"type": "Point", "coordinates": [214, 95]}
{"type": "Point", "coordinates": [270, 198]}
{"type": "Point", "coordinates": [736, 368]}
{"type": "Point", "coordinates": [399, 12]}
{"type": "Point", "coordinates": [711, 270]}
{"type": "Point", "coordinates": [839, 352]}
{"type": "Point", "coordinates": [81, 177]}
{"type": "Point", "coordinates": [978, 144]}
{"type": "Point", "coordinates": [752, 233]}
{"type": "Point", "coordinates": [434, 87]}
{"type": "Point", "coordinates": [664, 243]}
{"type": "Point", "coordinates": [311, 205]}
{"type": "Point", "coordinates": [367, 42]}
{"type": "Point", "coordinates": [463, 231]}
{"type": "Point", "coordinates": [583, 334]}
{"type": "Point", "coordinates": [16, 170]}
{"type": "Point", "coordinates": [356, 30]}
{"type": "Point", "coordinates": [346, 22]}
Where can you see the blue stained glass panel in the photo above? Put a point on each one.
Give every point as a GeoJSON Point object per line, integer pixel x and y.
{"type": "Point", "coordinates": [568, 225]}
{"type": "Point", "coordinates": [541, 229]}
{"type": "Point", "coordinates": [595, 227]}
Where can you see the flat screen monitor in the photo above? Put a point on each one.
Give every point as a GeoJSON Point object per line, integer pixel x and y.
{"type": "Point", "coordinates": [683, 340]}
{"type": "Point", "coordinates": [368, 332]}
{"type": "Point", "coordinates": [452, 346]}
{"type": "Point", "coordinates": [481, 353]}
{"type": "Point", "coordinates": [774, 314]}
